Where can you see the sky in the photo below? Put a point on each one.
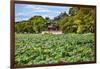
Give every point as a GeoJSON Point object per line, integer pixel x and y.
{"type": "Point", "coordinates": [26, 11]}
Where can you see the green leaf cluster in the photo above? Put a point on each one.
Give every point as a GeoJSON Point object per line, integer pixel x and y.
{"type": "Point", "coordinates": [51, 49]}
{"type": "Point", "coordinates": [34, 25]}
{"type": "Point", "coordinates": [79, 20]}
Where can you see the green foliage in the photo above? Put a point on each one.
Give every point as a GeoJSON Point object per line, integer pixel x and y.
{"type": "Point", "coordinates": [78, 20]}
{"type": "Point", "coordinates": [49, 49]}
{"type": "Point", "coordinates": [62, 23]}
{"type": "Point", "coordinates": [85, 20]}
{"type": "Point", "coordinates": [73, 11]}
{"type": "Point", "coordinates": [33, 25]}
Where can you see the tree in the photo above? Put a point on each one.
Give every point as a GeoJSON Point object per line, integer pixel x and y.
{"type": "Point", "coordinates": [73, 11]}
{"type": "Point", "coordinates": [34, 25]}
{"type": "Point", "coordinates": [84, 20]}
{"type": "Point", "coordinates": [38, 23]}
{"type": "Point", "coordinates": [78, 20]}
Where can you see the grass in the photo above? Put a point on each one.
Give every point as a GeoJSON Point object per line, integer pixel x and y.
{"type": "Point", "coordinates": [50, 49]}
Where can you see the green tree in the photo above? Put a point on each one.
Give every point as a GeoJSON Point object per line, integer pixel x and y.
{"type": "Point", "coordinates": [34, 25]}
{"type": "Point", "coordinates": [38, 23]}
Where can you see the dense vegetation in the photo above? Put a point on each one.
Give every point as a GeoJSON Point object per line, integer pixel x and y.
{"type": "Point", "coordinates": [78, 20]}
{"type": "Point", "coordinates": [76, 44]}
{"type": "Point", "coordinates": [48, 48]}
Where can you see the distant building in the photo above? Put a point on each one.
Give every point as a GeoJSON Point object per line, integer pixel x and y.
{"type": "Point", "coordinates": [52, 29]}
